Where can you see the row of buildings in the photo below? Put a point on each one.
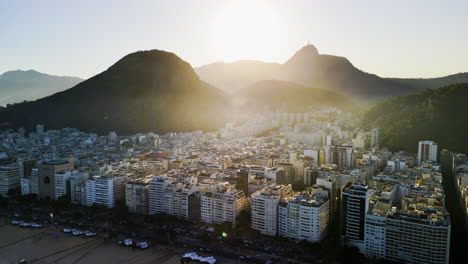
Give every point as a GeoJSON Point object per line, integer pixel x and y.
{"type": "Point", "coordinates": [372, 196]}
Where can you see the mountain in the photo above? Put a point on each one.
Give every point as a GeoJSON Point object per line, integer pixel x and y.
{"type": "Point", "coordinates": [432, 83]}
{"type": "Point", "coordinates": [18, 86]}
{"type": "Point", "coordinates": [144, 91]}
{"type": "Point", "coordinates": [294, 97]}
{"type": "Point", "coordinates": [231, 77]}
{"type": "Point", "coordinates": [308, 67]}
{"type": "Point", "coordinates": [438, 115]}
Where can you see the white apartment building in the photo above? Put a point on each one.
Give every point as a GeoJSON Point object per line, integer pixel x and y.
{"type": "Point", "coordinates": [264, 208]}
{"type": "Point", "coordinates": [330, 184]}
{"type": "Point", "coordinates": [304, 217]}
{"type": "Point", "coordinates": [313, 154]}
{"type": "Point", "coordinates": [173, 198]}
{"type": "Point", "coordinates": [375, 236]}
{"type": "Point", "coordinates": [89, 193]}
{"type": "Point", "coordinates": [157, 187]}
{"type": "Point", "coordinates": [275, 174]}
{"type": "Point", "coordinates": [396, 165]}
{"type": "Point", "coordinates": [427, 151]}
{"type": "Point", "coordinates": [34, 181]}
{"type": "Point", "coordinates": [222, 205]}
{"type": "Point", "coordinates": [105, 190]}
{"type": "Point", "coordinates": [406, 237]}
{"type": "Point", "coordinates": [168, 202]}
{"type": "Point", "coordinates": [60, 183]}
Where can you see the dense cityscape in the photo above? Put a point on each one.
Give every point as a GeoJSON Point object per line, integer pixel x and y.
{"type": "Point", "coordinates": [234, 131]}
{"type": "Point", "coordinates": [266, 187]}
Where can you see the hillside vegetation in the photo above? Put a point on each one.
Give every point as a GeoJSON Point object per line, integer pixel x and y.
{"type": "Point", "coordinates": [440, 115]}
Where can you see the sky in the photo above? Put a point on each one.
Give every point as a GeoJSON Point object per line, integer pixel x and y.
{"type": "Point", "coordinates": [82, 38]}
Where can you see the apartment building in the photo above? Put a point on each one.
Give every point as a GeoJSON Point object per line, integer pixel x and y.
{"type": "Point", "coordinates": [304, 217]}
{"type": "Point", "coordinates": [264, 208]}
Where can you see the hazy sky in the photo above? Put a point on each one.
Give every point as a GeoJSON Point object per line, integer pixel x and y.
{"type": "Point", "coordinates": [83, 38]}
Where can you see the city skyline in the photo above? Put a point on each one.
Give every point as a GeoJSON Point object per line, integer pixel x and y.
{"type": "Point", "coordinates": [84, 39]}
{"type": "Point", "coordinates": [204, 131]}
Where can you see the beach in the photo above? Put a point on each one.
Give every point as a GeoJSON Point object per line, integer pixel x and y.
{"type": "Point", "coordinates": [51, 245]}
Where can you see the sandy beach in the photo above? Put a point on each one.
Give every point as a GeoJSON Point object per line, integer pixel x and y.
{"type": "Point", "coordinates": [50, 245]}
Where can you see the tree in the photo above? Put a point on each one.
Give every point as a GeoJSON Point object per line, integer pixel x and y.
{"type": "Point", "coordinates": [120, 211]}
{"type": "Point", "coordinates": [77, 216]}
{"type": "Point", "coordinates": [243, 219]}
{"type": "Point", "coordinates": [3, 202]}
{"type": "Point", "coordinates": [225, 227]}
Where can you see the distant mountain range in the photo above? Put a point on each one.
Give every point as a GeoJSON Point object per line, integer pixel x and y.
{"type": "Point", "coordinates": [308, 67]}
{"type": "Point", "coordinates": [157, 91]}
{"type": "Point", "coordinates": [144, 91]}
{"type": "Point", "coordinates": [18, 86]}
{"type": "Point", "coordinates": [291, 97]}
{"type": "Point", "coordinates": [438, 115]}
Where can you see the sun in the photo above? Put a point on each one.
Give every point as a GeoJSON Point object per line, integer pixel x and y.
{"type": "Point", "coordinates": [247, 30]}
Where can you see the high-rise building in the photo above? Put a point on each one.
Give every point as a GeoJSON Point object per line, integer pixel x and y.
{"type": "Point", "coordinates": [375, 137]}
{"type": "Point", "coordinates": [10, 179]}
{"type": "Point", "coordinates": [34, 182]}
{"type": "Point", "coordinates": [314, 155]}
{"type": "Point", "coordinates": [344, 156]}
{"type": "Point", "coordinates": [185, 200]}
{"type": "Point", "coordinates": [28, 165]}
{"type": "Point", "coordinates": [242, 180]}
{"type": "Point", "coordinates": [447, 163]}
{"type": "Point", "coordinates": [275, 174]}
{"type": "Point", "coordinates": [105, 190]}
{"type": "Point", "coordinates": [409, 239]}
{"type": "Point", "coordinates": [427, 151]}
{"type": "Point", "coordinates": [330, 184]}
{"type": "Point", "coordinates": [354, 206]}
{"type": "Point", "coordinates": [264, 208]}
{"type": "Point", "coordinates": [136, 197]}
{"type": "Point", "coordinates": [375, 236]}
{"type": "Point", "coordinates": [170, 201]}
{"type": "Point", "coordinates": [310, 175]}
{"type": "Point", "coordinates": [76, 187]}
{"type": "Point", "coordinates": [330, 155]}
{"type": "Point", "coordinates": [407, 236]}
{"type": "Point", "coordinates": [157, 187]}
{"type": "Point", "coordinates": [60, 183]}
{"type": "Point", "coordinates": [46, 176]}
{"type": "Point", "coordinates": [299, 166]}
{"type": "Point", "coordinates": [223, 205]}
{"type": "Point", "coordinates": [89, 193]}
{"type": "Point", "coordinates": [289, 176]}
{"type": "Point", "coordinates": [304, 217]}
